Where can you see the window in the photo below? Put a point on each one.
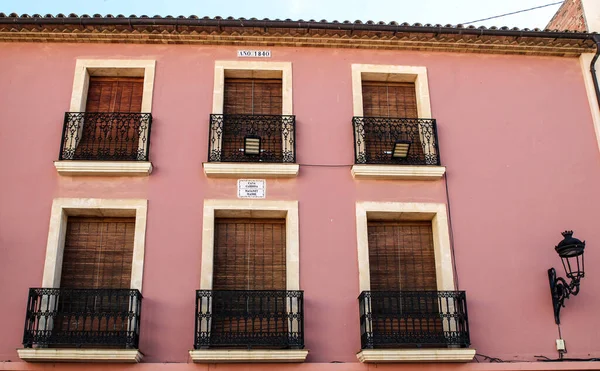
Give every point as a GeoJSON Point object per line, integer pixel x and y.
{"type": "Point", "coordinates": [91, 283]}
{"type": "Point", "coordinates": [249, 262]}
{"type": "Point", "coordinates": [393, 129]}
{"type": "Point", "coordinates": [96, 267]}
{"type": "Point", "coordinates": [249, 283]}
{"type": "Point", "coordinates": [408, 300]}
{"type": "Point", "coordinates": [402, 270]}
{"type": "Point", "coordinates": [110, 126]}
{"type": "Point", "coordinates": [109, 121]}
{"type": "Point", "coordinates": [98, 253]}
{"type": "Point", "coordinates": [401, 256]}
{"type": "Point", "coordinates": [252, 128]}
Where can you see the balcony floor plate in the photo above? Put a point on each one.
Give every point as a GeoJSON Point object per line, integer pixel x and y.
{"type": "Point", "coordinates": [416, 355]}
{"type": "Point", "coordinates": [104, 168]}
{"type": "Point", "coordinates": [245, 169]}
{"type": "Point", "coordinates": [408, 172]}
{"type": "Point", "coordinates": [248, 356]}
{"type": "Point", "coordinates": [80, 355]}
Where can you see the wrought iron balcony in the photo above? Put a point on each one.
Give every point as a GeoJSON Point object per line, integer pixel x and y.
{"type": "Point", "coordinates": [82, 317]}
{"type": "Point", "coordinates": [397, 319]}
{"type": "Point", "coordinates": [252, 138]}
{"type": "Point", "coordinates": [395, 141]}
{"type": "Point", "coordinates": [102, 136]}
{"type": "Point", "coordinates": [249, 319]}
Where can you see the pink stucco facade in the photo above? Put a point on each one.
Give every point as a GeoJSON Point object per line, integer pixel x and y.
{"type": "Point", "coordinates": [515, 134]}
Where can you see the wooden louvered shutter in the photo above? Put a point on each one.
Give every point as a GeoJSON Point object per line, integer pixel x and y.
{"type": "Point", "coordinates": [115, 94]}
{"type": "Point", "coordinates": [393, 100]}
{"type": "Point", "coordinates": [249, 254]}
{"type": "Point", "coordinates": [98, 253]}
{"type": "Point", "coordinates": [401, 256]}
{"type": "Point", "coordinates": [110, 134]}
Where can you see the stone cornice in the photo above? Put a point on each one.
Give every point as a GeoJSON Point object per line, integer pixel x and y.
{"type": "Point", "coordinates": [404, 38]}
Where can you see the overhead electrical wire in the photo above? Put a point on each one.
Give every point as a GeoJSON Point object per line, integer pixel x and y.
{"type": "Point", "coordinates": [517, 12]}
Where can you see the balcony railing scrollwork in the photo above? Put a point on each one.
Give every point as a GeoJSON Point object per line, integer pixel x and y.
{"type": "Point", "coordinates": [83, 318]}
{"type": "Point", "coordinates": [395, 141]}
{"type": "Point", "coordinates": [397, 319]}
{"type": "Point", "coordinates": [106, 136]}
{"type": "Point", "coordinates": [252, 138]}
{"type": "Point", "coordinates": [268, 319]}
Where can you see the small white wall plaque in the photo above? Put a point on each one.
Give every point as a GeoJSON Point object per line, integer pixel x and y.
{"type": "Point", "coordinates": [252, 188]}
{"type": "Point", "coordinates": [254, 54]}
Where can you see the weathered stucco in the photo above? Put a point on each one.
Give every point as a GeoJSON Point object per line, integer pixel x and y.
{"type": "Point", "coordinates": [515, 134]}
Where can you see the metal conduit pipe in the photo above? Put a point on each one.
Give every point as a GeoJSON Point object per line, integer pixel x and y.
{"type": "Point", "coordinates": [596, 39]}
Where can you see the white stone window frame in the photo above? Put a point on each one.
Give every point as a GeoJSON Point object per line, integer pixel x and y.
{"type": "Point", "coordinates": [62, 208]}
{"type": "Point", "coordinates": [409, 211]}
{"type": "Point", "coordinates": [250, 209]}
{"type": "Point", "coordinates": [84, 68]}
{"type": "Point", "coordinates": [252, 69]}
{"type": "Point", "coordinates": [393, 73]}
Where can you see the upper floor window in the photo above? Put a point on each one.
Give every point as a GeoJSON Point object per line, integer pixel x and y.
{"type": "Point", "coordinates": [110, 116]}
{"type": "Point", "coordinates": [252, 117]}
{"type": "Point", "coordinates": [392, 116]}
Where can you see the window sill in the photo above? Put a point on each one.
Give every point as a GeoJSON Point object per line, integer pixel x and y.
{"type": "Point", "coordinates": [416, 355]}
{"type": "Point", "coordinates": [252, 356]}
{"type": "Point", "coordinates": [104, 168]}
{"type": "Point", "coordinates": [425, 172]}
{"type": "Point", "coordinates": [80, 355]}
{"type": "Point", "coordinates": [244, 169]}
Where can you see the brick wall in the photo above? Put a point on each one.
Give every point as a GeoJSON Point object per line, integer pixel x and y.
{"type": "Point", "coordinates": [569, 17]}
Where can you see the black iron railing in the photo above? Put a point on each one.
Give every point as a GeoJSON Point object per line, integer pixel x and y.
{"type": "Point", "coordinates": [395, 319]}
{"type": "Point", "coordinates": [252, 138]}
{"type": "Point", "coordinates": [102, 136]}
{"type": "Point", "coordinates": [83, 317]}
{"type": "Point", "coordinates": [376, 139]}
{"type": "Point", "coordinates": [249, 319]}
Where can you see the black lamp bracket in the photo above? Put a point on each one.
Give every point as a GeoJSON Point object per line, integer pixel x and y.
{"type": "Point", "coordinates": [560, 290]}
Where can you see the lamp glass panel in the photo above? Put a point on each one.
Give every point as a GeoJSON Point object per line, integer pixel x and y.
{"type": "Point", "coordinates": [573, 266]}
{"type": "Point", "coordinates": [401, 149]}
{"type": "Point", "coordinates": [251, 146]}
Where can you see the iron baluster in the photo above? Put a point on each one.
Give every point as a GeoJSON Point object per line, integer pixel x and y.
{"type": "Point", "coordinates": [275, 135]}
{"type": "Point", "coordinates": [413, 319]}
{"type": "Point", "coordinates": [375, 140]}
{"type": "Point", "coordinates": [249, 318]}
{"type": "Point", "coordinates": [75, 317]}
{"type": "Point", "coordinates": [106, 136]}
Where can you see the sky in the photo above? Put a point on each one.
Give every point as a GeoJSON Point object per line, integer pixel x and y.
{"type": "Point", "coordinates": [411, 11]}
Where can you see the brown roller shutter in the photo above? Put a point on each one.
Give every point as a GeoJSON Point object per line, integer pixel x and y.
{"type": "Point", "coordinates": [393, 100]}
{"type": "Point", "coordinates": [389, 99]}
{"type": "Point", "coordinates": [401, 256]}
{"type": "Point", "coordinates": [252, 97]}
{"type": "Point", "coordinates": [108, 95]}
{"type": "Point", "coordinates": [249, 254]}
{"type": "Point", "coordinates": [115, 94]}
{"type": "Point", "coordinates": [98, 253]}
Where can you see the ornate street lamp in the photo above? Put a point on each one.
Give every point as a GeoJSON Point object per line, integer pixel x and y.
{"type": "Point", "coordinates": [570, 250]}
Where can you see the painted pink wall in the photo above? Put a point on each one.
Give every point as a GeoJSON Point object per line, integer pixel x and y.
{"type": "Point", "coordinates": [515, 134]}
